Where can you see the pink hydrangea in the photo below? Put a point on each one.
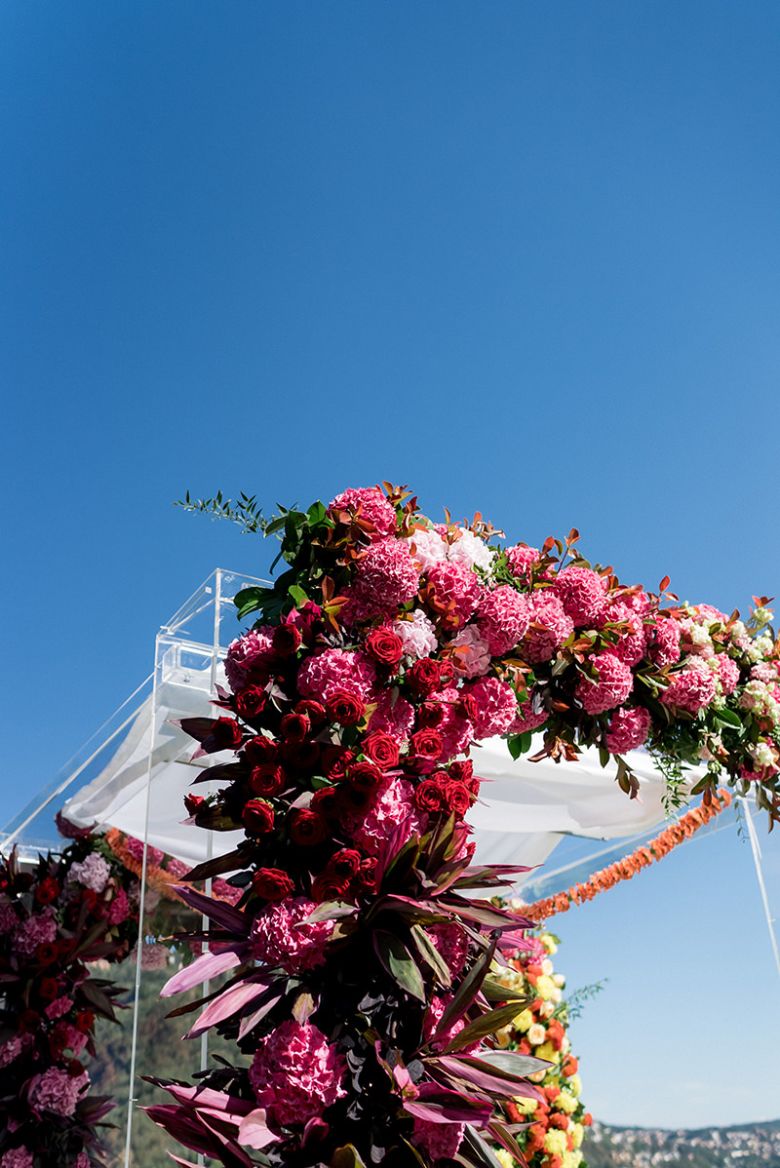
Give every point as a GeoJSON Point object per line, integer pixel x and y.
{"type": "Point", "coordinates": [369, 504]}
{"type": "Point", "coordinates": [8, 917]}
{"type": "Point", "coordinates": [16, 1158]}
{"type": "Point", "coordinates": [453, 944]}
{"type": "Point", "coordinates": [728, 672]}
{"type": "Point", "coordinates": [766, 671]}
{"type": "Point", "coordinates": [470, 550]}
{"type": "Point", "coordinates": [58, 1008]}
{"type": "Point", "coordinates": [154, 956]}
{"type": "Point", "coordinates": [496, 706]}
{"type": "Point", "coordinates": [581, 592]}
{"type": "Point", "coordinates": [628, 729]}
{"type": "Point", "coordinates": [453, 593]}
{"type": "Point", "coordinates": [372, 829]}
{"type": "Point", "coordinates": [664, 641]}
{"type": "Point", "coordinates": [439, 1140]}
{"type": "Point", "coordinates": [281, 936]}
{"type": "Point", "coordinates": [248, 657]}
{"type": "Point", "coordinates": [707, 614]}
{"type": "Point", "coordinates": [82, 1161]}
{"type": "Point", "coordinates": [531, 715]}
{"type": "Point", "coordinates": [40, 929]}
{"type": "Point", "coordinates": [58, 1092]}
{"type": "Point", "coordinates": [692, 689]}
{"type": "Point", "coordinates": [336, 669]}
{"type": "Point", "coordinates": [70, 1038]}
{"type": "Point", "coordinates": [471, 655]}
{"type": "Point", "coordinates": [386, 578]}
{"type": "Point", "coordinates": [227, 892]}
{"type": "Point", "coordinates": [296, 1074]}
{"type": "Point", "coordinates": [119, 909]}
{"type": "Point", "coordinates": [455, 727]}
{"type": "Point", "coordinates": [135, 848]}
{"type": "Point", "coordinates": [503, 617]}
{"type": "Point", "coordinates": [418, 635]}
{"type": "Point", "coordinates": [550, 625]}
{"type": "Point", "coordinates": [428, 548]}
{"type": "Point", "coordinates": [13, 1048]}
{"type": "Point", "coordinates": [631, 644]}
{"type": "Point", "coordinates": [92, 872]}
{"type": "Point", "coordinates": [395, 718]}
{"type": "Point", "coordinates": [522, 560]}
{"type": "Point", "coordinates": [614, 682]}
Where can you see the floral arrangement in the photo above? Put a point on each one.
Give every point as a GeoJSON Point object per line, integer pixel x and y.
{"type": "Point", "coordinates": [628, 867]}
{"type": "Point", "coordinates": [360, 989]}
{"type": "Point", "coordinates": [163, 872]}
{"type": "Point", "coordinates": [557, 1118]}
{"type": "Point", "coordinates": [69, 910]}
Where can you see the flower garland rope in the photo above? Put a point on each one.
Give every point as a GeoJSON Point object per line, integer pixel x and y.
{"type": "Point", "coordinates": [629, 866]}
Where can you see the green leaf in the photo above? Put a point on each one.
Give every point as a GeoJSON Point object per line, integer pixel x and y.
{"type": "Point", "coordinates": [399, 963]}
{"type": "Point", "coordinates": [346, 1156]}
{"type": "Point", "coordinates": [298, 594]}
{"type": "Point", "coordinates": [250, 600]}
{"type": "Point", "coordinates": [519, 744]}
{"type": "Point", "coordinates": [431, 956]}
{"type": "Point", "coordinates": [729, 718]}
{"type": "Point", "coordinates": [510, 1063]}
{"type": "Point", "coordinates": [489, 1023]}
{"type": "Point", "coordinates": [316, 513]}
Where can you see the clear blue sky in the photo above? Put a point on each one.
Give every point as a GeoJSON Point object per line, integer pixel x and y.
{"type": "Point", "coordinates": [523, 257]}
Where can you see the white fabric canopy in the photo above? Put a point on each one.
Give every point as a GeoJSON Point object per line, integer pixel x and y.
{"type": "Point", "coordinates": [524, 810]}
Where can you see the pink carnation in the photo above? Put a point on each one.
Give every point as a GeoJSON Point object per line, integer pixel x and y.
{"type": "Point", "coordinates": [119, 909]}
{"type": "Point", "coordinates": [550, 626]}
{"type": "Point", "coordinates": [368, 504]}
{"type": "Point", "coordinates": [281, 936]}
{"type": "Point", "coordinates": [92, 872]}
{"type": "Point", "coordinates": [613, 685]}
{"type": "Point", "coordinates": [16, 1158]}
{"type": "Point", "coordinates": [470, 652]}
{"type": "Point", "coordinates": [336, 669]}
{"type": "Point", "coordinates": [531, 715]}
{"type": "Point", "coordinates": [521, 560]}
{"type": "Point", "coordinates": [386, 578]}
{"type": "Point", "coordinates": [628, 729]}
{"type": "Point", "coordinates": [664, 641]}
{"type": "Point", "coordinates": [453, 592]}
{"type": "Point", "coordinates": [692, 689]}
{"type": "Point", "coordinates": [297, 1074]}
{"type": "Point", "coordinates": [372, 829]}
{"type": "Point", "coordinates": [503, 617]}
{"type": "Point", "coordinates": [395, 718]}
{"type": "Point", "coordinates": [581, 592]}
{"type": "Point", "coordinates": [728, 673]}
{"type": "Point", "coordinates": [418, 635]}
{"type": "Point", "coordinates": [439, 1140]}
{"type": "Point", "coordinates": [632, 638]}
{"type": "Point", "coordinates": [249, 657]}
{"type": "Point", "coordinates": [58, 1092]}
{"type": "Point", "coordinates": [40, 929]}
{"type": "Point", "coordinates": [496, 706]}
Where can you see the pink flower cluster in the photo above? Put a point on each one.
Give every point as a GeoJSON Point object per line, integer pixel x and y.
{"type": "Point", "coordinates": [693, 688]}
{"type": "Point", "coordinates": [93, 872]}
{"type": "Point", "coordinates": [16, 1158]}
{"type": "Point", "coordinates": [611, 686]}
{"type": "Point", "coordinates": [250, 655]}
{"type": "Point", "coordinates": [503, 617]}
{"type": "Point", "coordinates": [281, 936]}
{"type": "Point", "coordinates": [628, 729]}
{"type": "Point", "coordinates": [58, 1092]}
{"type": "Point", "coordinates": [369, 505]}
{"type": "Point", "coordinates": [323, 674]}
{"type": "Point", "coordinates": [386, 579]}
{"type": "Point", "coordinates": [40, 929]}
{"type": "Point", "coordinates": [296, 1074]}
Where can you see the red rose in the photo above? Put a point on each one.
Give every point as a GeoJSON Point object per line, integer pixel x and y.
{"type": "Point", "coordinates": [381, 749]}
{"type": "Point", "coordinates": [430, 714]}
{"type": "Point", "coordinates": [47, 953]}
{"type": "Point", "coordinates": [314, 711]}
{"type": "Point", "coordinates": [85, 1020]}
{"type": "Point", "coordinates": [424, 677]}
{"type": "Point", "coordinates": [325, 802]}
{"type": "Point", "coordinates": [29, 1020]}
{"type": "Point", "coordinates": [226, 734]}
{"type": "Point", "coordinates": [462, 769]}
{"type": "Point", "coordinates": [272, 884]}
{"type": "Point", "coordinates": [260, 750]}
{"type": "Point", "coordinates": [427, 744]}
{"type": "Point", "coordinates": [344, 864]}
{"type": "Point", "coordinates": [301, 756]}
{"type": "Point", "coordinates": [267, 780]}
{"type": "Point", "coordinates": [328, 887]}
{"type": "Point", "coordinates": [257, 816]}
{"type": "Point", "coordinates": [286, 640]}
{"type": "Point", "coordinates": [458, 798]}
{"type": "Point", "coordinates": [385, 646]}
{"type": "Point", "coordinates": [193, 802]}
{"type": "Point", "coordinates": [47, 891]}
{"type": "Point", "coordinates": [307, 827]}
{"type": "Point", "coordinates": [75, 1069]}
{"type": "Point", "coordinates": [48, 989]}
{"type": "Point", "coordinates": [366, 775]}
{"type": "Point", "coordinates": [467, 706]}
{"type": "Point", "coordinates": [335, 761]}
{"type": "Point", "coordinates": [251, 702]}
{"type": "Point", "coordinates": [430, 795]}
{"type": "Point", "coordinates": [366, 877]}
{"type": "Point", "coordinates": [295, 727]}
{"type": "Point", "coordinates": [345, 708]}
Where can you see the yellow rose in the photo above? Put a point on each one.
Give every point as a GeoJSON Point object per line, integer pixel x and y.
{"type": "Point", "coordinates": [572, 1159]}
{"type": "Point", "coordinates": [577, 1133]}
{"type": "Point", "coordinates": [523, 1021]}
{"type": "Point", "coordinates": [575, 1085]}
{"type": "Point", "coordinates": [525, 1106]}
{"type": "Point", "coordinates": [504, 1159]}
{"type": "Point", "coordinates": [545, 987]}
{"type": "Point", "coordinates": [566, 1103]}
{"type": "Point", "coordinates": [555, 1142]}
{"type": "Point", "coordinates": [548, 1052]}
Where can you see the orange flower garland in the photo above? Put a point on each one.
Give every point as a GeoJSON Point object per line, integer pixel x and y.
{"type": "Point", "coordinates": [156, 877]}
{"type": "Point", "coordinates": [629, 866]}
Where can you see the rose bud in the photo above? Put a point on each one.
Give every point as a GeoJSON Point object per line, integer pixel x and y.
{"type": "Point", "coordinates": [385, 646]}
{"type": "Point", "coordinates": [85, 1020]}
{"type": "Point", "coordinates": [381, 749]}
{"type": "Point", "coordinates": [48, 989]}
{"type": "Point", "coordinates": [251, 702]}
{"type": "Point", "coordinates": [430, 795]}
{"type": "Point", "coordinates": [345, 708]}
{"type": "Point", "coordinates": [267, 780]}
{"type": "Point", "coordinates": [458, 798]}
{"type": "Point", "coordinates": [286, 640]}
{"type": "Point", "coordinates": [335, 761]}
{"type": "Point", "coordinates": [307, 827]}
{"type": "Point", "coordinates": [192, 803]}
{"type": "Point", "coordinates": [430, 714]}
{"type": "Point", "coordinates": [272, 884]}
{"type": "Point", "coordinates": [344, 863]}
{"type": "Point", "coordinates": [325, 802]}
{"type": "Point", "coordinates": [424, 677]}
{"type": "Point", "coordinates": [366, 776]}
{"type": "Point", "coordinates": [260, 750]}
{"type": "Point", "coordinates": [427, 744]}
{"type": "Point", "coordinates": [326, 887]}
{"type": "Point", "coordinates": [294, 727]}
{"type": "Point", "coordinates": [226, 734]}
{"type": "Point", "coordinates": [314, 711]}
{"type": "Point", "coordinates": [467, 706]}
{"type": "Point", "coordinates": [257, 816]}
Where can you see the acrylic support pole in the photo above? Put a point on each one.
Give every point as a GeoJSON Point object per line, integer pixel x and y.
{"type": "Point", "coordinates": [755, 847]}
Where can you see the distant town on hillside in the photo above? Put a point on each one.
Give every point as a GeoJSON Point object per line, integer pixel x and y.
{"type": "Point", "coordinates": [755, 1145]}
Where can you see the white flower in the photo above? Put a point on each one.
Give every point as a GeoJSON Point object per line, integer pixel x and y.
{"type": "Point", "coordinates": [536, 1034]}
{"type": "Point", "coordinates": [763, 755]}
{"type": "Point", "coordinates": [428, 548]}
{"type": "Point", "coordinates": [547, 967]}
{"type": "Point", "coordinates": [763, 616]}
{"type": "Point", "coordinates": [471, 551]}
{"type": "Point", "coordinates": [559, 980]}
{"type": "Point", "coordinates": [547, 1009]}
{"type": "Point", "coordinates": [417, 635]}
